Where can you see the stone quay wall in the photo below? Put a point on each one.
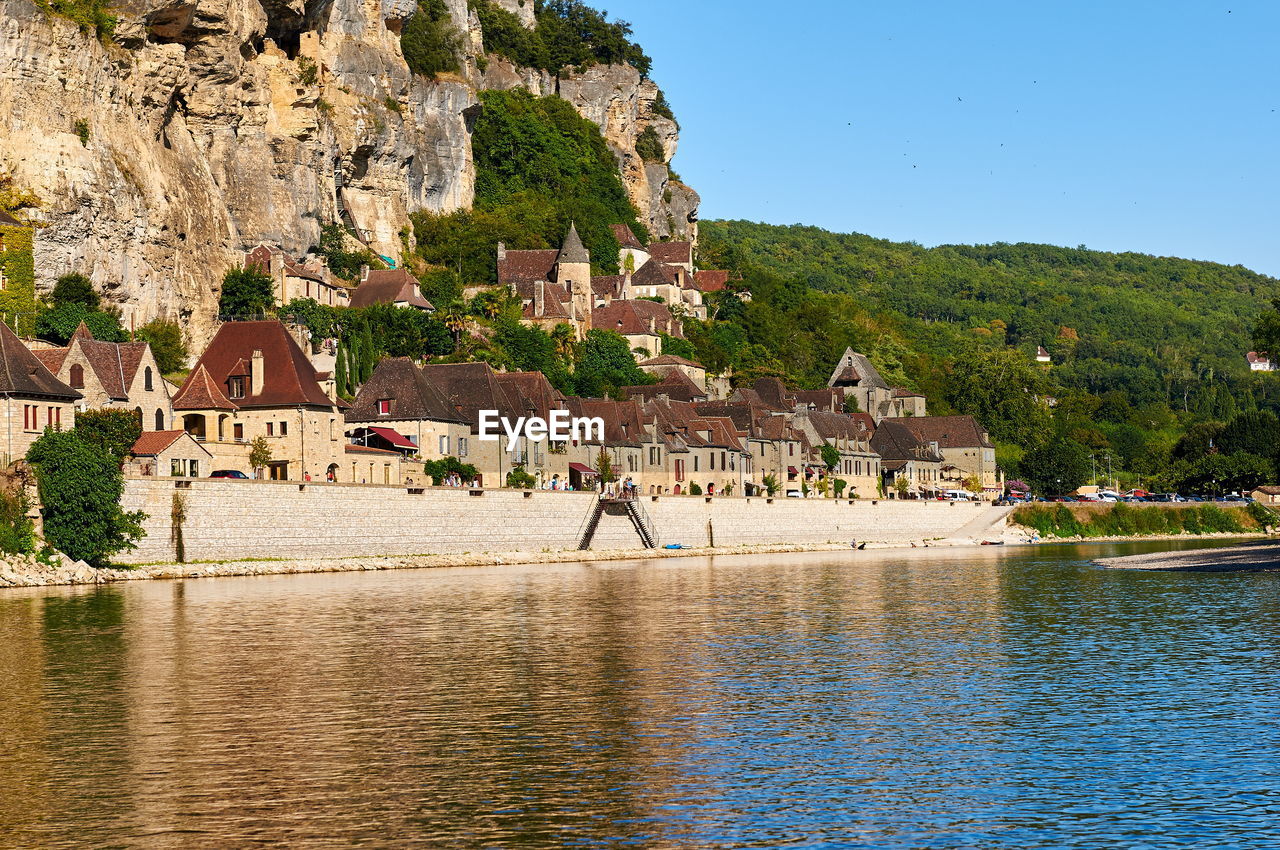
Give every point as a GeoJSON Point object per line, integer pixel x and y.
{"type": "Point", "coordinates": [230, 520]}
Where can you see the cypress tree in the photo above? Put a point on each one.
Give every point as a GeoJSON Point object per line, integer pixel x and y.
{"type": "Point", "coordinates": [353, 364]}
{"type": "Point", "coordinates": [368, 354]}
{"type": "Point", "coordinates": [340, 371]}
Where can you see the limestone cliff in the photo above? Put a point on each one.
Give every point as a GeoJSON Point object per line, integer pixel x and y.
{"type": "Point", "coordinates": [208, 126]}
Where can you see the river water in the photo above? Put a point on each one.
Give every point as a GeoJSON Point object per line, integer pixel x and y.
{"type": "Point", "coordinates": [1012, 697]}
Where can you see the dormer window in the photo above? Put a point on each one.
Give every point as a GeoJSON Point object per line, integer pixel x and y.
{"type": "Point", "coordinates": [384, 407]}
{"type": "Point", "coordinates": [235, 386]}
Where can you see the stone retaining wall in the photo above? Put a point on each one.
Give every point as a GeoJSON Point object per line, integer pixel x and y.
{"type": "Point", "coordinates": [229, 519]}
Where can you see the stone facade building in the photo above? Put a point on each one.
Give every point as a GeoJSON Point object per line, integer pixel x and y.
{"type": "Point", "coordinates": [33, 398]}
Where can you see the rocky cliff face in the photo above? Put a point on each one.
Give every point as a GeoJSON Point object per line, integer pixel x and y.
{"type": "Point", "coordinates": [209, 126]}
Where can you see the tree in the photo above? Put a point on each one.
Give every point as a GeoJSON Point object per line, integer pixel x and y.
{"type": "Point", "coordinates": [902, 486]}
{"type": "Point", "coordinates": [604, 466]}
{"type": "Point", "coordinates": [838, 486]}
{"type": "Point", "coordinates": [75, 288]}
{"type": "Point", "coordinates": [830, 456]}
{"type": "Point", "coordinates": [430, 41]}
{"type": "Point", "coordinates": [167, 344]}
{"type": "Point", "coordinates": [605, 364]}
{"type": "Point", "coordinates": [1241, 472]}
{"type": "Point", "coordinates": [770, 483]}
{"type": "Point", "coordinates": [441, 469]}
{"type": "Point", "coordinates": [518, 479]}
{"type": "Point", "coordinates": [1256, 432]}
{"type": "Point", "coordinates": [80, 486]}
{"type": "Point", "coordinates": [340, 372]}
{"type": "Point", "coordinates": [114, 431]}
{"type": "Point", "coordinates": [1266, 333]}
{"type": "Point", "coordinates": [259, 453]}
{"type": "Point", "coordinates": [1003, 390]}
{"type": "Point", "coordinates": [58, 325]}
{"type": "Point", "coordinates": [1057, 466]}
{"type": "Point", "coordinates": [972, 483]}
{"type": "Point", "coordinates": [246, 293]}
{"type": "Point", "coordinates": [695, 489]}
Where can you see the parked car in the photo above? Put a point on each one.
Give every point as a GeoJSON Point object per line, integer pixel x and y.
{"type": "Point", "coordinates": [229, 473]}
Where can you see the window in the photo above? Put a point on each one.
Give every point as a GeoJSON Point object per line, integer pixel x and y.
{"type": "Point", "coordinates": [713, 462]}
{"type": "Point", "coordinates": [695, 463]}
{"type": "Point", "coordinates": [237, 431]}
{"type": "Point", "coordinates": [791, 449]}
{"type": "Point", "coordinates": [384, 407]}
{"type": "Point", "coordinates": [284, 429]}
{"type": "Point", "coordinates": [444, 444]}
{"type": "Point", "coordinates": [333, 425]}
{"type": "Point", "coordinates": [386, 473]}
{"type": "Point", "coordinates": [655, 455]}
{"type": "Point", "coordinates": [49, 416]}
{"type": "Point", "coordinates": [235, 386]}
{"type": "Point", "coordinates": [160, 420]}
{"type": "Point", "coordinates": [462, 447]}
{"type": "Point", "coordinates": [271, 429]}
{"type": "Point", "coordinates": [176, 467]}
{"type": "Point", "coordinates": [77, 377]}
{"type": "Point", "coordinates": [147, 382]}
{"type": "Point", "coordinates": [195, 468]}
{"type": "Point", "coordinates": [722, 466]}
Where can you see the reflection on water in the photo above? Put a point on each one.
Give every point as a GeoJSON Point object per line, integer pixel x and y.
{"type": "Point", "coordinates": [1013, 698]}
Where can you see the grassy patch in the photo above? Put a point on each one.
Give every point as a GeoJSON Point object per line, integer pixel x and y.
{"type": "Point", "coordinates": [1124, 520]}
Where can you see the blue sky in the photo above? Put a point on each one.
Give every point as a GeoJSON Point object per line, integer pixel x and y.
{"type": "Point", "coordinates": [1125, 125]}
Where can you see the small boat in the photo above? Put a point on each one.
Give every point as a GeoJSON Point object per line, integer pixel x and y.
{"type": "Point", "coordinates": [674, 546]}
{"type": "Point", "coordinates": [993, 543]}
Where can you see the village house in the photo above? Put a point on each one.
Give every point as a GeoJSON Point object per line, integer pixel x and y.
{"type": "Point", "coordinates": [305, 278]}
{"type": "Point", "coordinates": [773, 447]}
{"type": "Point", "coordinates": [255, 381]}
{"type": "Point", "coordinates": [664, 364]}
{"type": "Point", "coordinates": [856, 378]}
{"type": "Point", "coordinates": [554, 287]}
{"type": "Point", "coordinates": [702, 449]}
{"type": "Point", "coordinates": [34, 399]}
{"type": "Point", "coordinates": [399, 405]}
{"type": "Point", "coordinates": [858, 465]}
{"type": "Point", "coordinates": [395, 287]}
{"type": "Point", "coordinates": [642, 323]}
{"type": "Point", "coordinates": [904, 457]}
{"type": "Point", "coordinates": [174, 454]}
{"type": "Point", "coordinates": [1259, 362]}
{"type": "Point", "coordinates": [675, 385]}
{"type": "Point", "coordinates": [112, 375]}
{"type": "Point", "coordinates": [627, 442]}
{"type": "Point", "coordinates": [370, 465]}
{"type": "Point", "coordinates": [966, 449]}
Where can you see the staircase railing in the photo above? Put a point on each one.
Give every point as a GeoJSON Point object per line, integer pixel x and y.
{"type": "Point", "coordinates": [587, 530]}
{"type": "Point", "coordinates": [644, 525]}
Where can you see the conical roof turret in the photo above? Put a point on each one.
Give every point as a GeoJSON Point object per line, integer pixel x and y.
{"type": "Point", "coordinates": [573, 251]}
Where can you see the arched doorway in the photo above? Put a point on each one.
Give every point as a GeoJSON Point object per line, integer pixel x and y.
{"type": "Point", "coordinates": [331, 474]}
{"type": "Point", "coordinates": [193, 424]}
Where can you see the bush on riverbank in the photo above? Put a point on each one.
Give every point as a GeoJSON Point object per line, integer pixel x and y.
{"type": "Point", "coordinates": [1123, 520]}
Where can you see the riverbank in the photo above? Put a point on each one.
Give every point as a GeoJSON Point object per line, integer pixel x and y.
{"type": "Point", "coordinates": [1257, 556]}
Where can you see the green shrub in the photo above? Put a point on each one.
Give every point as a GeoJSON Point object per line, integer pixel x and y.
{"type": "Point", "coordinates": [90, 15]}
{"type": "Point", "coordinates": [57, 325]}
{"type": "Point", "coordinates": [246, 293]}
{"type": "Point", "coordinates": [1123, 520]}
{"type": "Point", "coordinates": [17, 530]}
{"type": "Point", "coordinates": [75, 288]}
{"type": "Point", "coordinates": [649, 146]}
{"type": "Point", "coordinates": [80, 485]}
{"type": "Point", "coordinates": [440, 469]}
{"type": "Point", "coordinates": [567, 34]}
{"type": "Point", "coordinates": [308, 71]}
{"type": "Point", "coordinates": [113, 431]}
{"type": "Point", "coordinates": [167, 344]}
{"type": "Point", "coordinates": [695, 489]}
{"type": "Point", "coordinates": [518, 479]}
{"type": "Point", "coordinates": [430, 41]}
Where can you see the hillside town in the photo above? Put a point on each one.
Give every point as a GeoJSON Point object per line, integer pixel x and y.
{"type": "Point", "coordinates": [261, 400]}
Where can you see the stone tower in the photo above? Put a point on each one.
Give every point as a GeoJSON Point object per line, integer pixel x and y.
{"type": "Point", "coordinates": [573, 272]}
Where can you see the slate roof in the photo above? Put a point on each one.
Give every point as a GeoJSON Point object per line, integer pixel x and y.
{"type": "Point", "coordinates": [632, 317]}
{"type": "Point", "coordinates": [829, 400]}
{"type": "Point", "coordinates": [626, 238]}
{"type": "Point", "coordinates": [527, 266]}
{"type": "Point", "coordinates": [949, 432]}
{"type": "Point", "coordinates": [288, 377]}
{"type": "Point", "coordinates": [23, 375]}
{"type": "Point", "coordinates": [670, 360]}
{"type": "Point", "coordinates": [893, 441]}
{"type": "Point", "coordinates": [903, 392]}
{"type": "Point", "coordinates": [387, 286]}
{"type": "Point", "coordinates": [573, 251]}
{"type": "Point", "coordinates": [675, 385]}
{"type": "Point", "coordinates": [531, 391]}
{"type": "Point", "coordinates": [675, 253]}
{"type": "Point", "coordinates": [412, 395]}
{"type": "Point", "coordinates": [470, 388]}
{"type": "Point", "coordinates": [654, 273]}
{"type": "Point", "coordinates": [860, 373]}
{"type": "Point", "coordinates": [9, 221]}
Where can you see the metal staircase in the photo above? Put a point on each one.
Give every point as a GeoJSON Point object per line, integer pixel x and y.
{"type": "Point", "coordinates": [592, 523]}
{"type": "Point", "coordinates": [644, 525]}
{"type": "Point", "coordinates": [631, 509]}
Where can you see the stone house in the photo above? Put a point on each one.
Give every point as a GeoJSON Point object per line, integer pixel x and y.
{"type": "Point", "coordinates": [34, 399]}
{"type": "Point", "coordinates": [389, 286]}
{"type": "Point", "coordinates": [113, 375]}
{"type": "Point", "coordinates": [554, 287]}
{"type": "Point", "coordinates": [964, 445]}
{"type": "Point", "coordinates": [701, 449]}
{"type": "Point", "coordinates": [369, 465]}
{"type": "Point", "coordinates": [170, 454]}
{"type": "Point", "coordinates": [858, 466]}
{"type": "Point", "coordinates": [255, 381]}
{"type": "Point", "coordinates": [400, 397]}
{"type": "Point", "coordinates": [904, 455]}
{"type": "Point", "coordinates": [640, 322]}
{"type": "Point", "coordinates": [666, 363]}
{"type": "Point", "coordinates": [1266, 495]}
{"type": "Point", "coordinates": [305, 278]}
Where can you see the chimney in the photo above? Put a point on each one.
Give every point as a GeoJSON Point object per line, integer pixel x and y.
{"type": "Point", "coordinates": [502, 252]}
{"type": "Point", "coordinates": [539, 298]}
{"type": "Point", "coordinates": [257, 373]}
{"type": "Point", "coordinates": [653, 325]}
{"type": "Point", "coordinates": [364, 273]}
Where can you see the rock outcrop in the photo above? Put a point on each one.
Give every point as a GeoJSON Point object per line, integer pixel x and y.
{"type": "Point", "coordinates": [208, 126]}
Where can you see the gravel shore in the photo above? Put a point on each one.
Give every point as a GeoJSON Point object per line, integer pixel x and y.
{"type": "Point", "coordinates": [1245, 557]}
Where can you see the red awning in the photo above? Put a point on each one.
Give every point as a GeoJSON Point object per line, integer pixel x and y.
{"type": "Point", "coordinates": [394, 438]}
{"type": "Point", "coordinates": [791, 470]}
{"type": "Point", "coordinates": [583, 468]}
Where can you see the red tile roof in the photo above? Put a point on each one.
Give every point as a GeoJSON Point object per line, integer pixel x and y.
{"type": "Point", "coordinates": [626, 238]}
{"type": "Point", "coordinates": [288, 379]}
{"type": "Point", "coordinates": [710, 280]}
{"type": "Point", "coordinates": [949, 432]}
{"type": "Point", "coordinates": [674, 253]}
{"type": "Point", "coordinates": [154, 442]}
{"type": "Point", "coordinates": [632, 317]}
{"type": "Point", "coordinates": [412, 396]}
{"type": "Point", "coordinates": [201, 392]}
{"type": "Point", "coordinates": [670, 360]}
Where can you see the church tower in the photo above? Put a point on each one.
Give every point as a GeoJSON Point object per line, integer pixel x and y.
{"type": "Point", "coordinates": [573, 272]}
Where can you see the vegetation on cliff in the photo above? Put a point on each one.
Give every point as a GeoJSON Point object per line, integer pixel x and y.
{"type": "Point", "coordinates": [539, 166]}
{"type": "Point", "coordinates": [567, 34]}
{"type": "Point", "coordinates": [430, 41]}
